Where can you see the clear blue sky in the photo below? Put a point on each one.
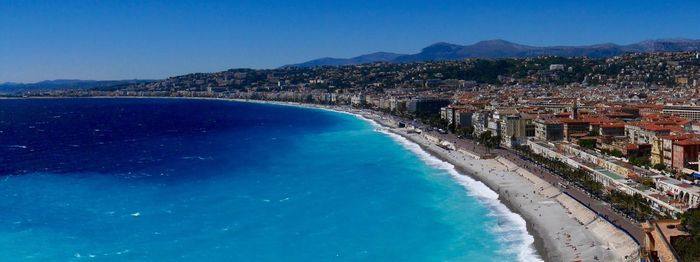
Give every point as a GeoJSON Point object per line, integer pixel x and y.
{"type": "Point", "coordinates": [154, 39]}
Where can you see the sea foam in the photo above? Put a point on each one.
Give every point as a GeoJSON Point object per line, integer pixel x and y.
{"type": "Point", "coordinates": [511, 228]}
{"type": "Point", "coordinates": [241, 205]}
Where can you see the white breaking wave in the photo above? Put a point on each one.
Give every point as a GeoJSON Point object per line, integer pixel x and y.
{"type": "Point", "coordinates": [511, 229]}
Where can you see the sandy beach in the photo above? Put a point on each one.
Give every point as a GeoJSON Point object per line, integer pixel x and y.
{"type": "Point", "coordinates": [563, 229]}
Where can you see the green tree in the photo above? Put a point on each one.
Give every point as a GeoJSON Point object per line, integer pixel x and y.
{"type": "Point", "coordinates": [494, 141]}
{"type": "Point", "coordinates": [484, 137]}
{"type": "Point", "coordinates": [587, 143]}
{"type": "Point", "coordinates": [688, 247]}
{"type": "Point", "coordinates": [640, 161]}
{"type": "Point", "coordinates": [466, 131]}
{"type": "Point", "coordinates": [616, 153]}
{"type": "Point", "coordinates": [660, 167]}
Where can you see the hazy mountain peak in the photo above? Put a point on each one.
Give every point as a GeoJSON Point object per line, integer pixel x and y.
{"type": "Point", "coordinates": [668, 40]}
{"type": "Point", "coordinates": [441, 47]}
{"type": "Point", "coordinates": [495, 42]}
{"type": "Point", "coordinates": [499, 48]}
{"type": "Point", "coordinates": [362, 59]}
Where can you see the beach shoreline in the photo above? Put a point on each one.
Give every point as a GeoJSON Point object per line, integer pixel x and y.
{"type": "Point", "coordinates": [562, 235]}
{"type": "Point", "coordinates": [573, 241]}
{"type": "Point", "coordinates": [539, 243]}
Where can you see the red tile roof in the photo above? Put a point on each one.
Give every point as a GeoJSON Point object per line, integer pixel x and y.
{"type": "Point", "coordinates": [613, 125]}
{"type": "Point", "coordinates": [650, 126]}
{"type": "Point", "coordinates": [575, 121]}
{"type": "Point", "coordinates": [679, 137]}
{"type": "Point", "coordinates": [619, 114]}
{"type": "Point", "coordinates": [688, 142]}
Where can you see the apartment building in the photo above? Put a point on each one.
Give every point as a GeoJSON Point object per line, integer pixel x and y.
{"type": "Point", "coordinates": [549, 129]}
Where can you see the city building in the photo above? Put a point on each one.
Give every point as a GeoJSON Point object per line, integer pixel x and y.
{"type": "Point", "coordinates": [515, 129]}
{"type": "Point", "coordinates": [480, 121]}
{"type": "Point", "coordinates": [463, 118]}
{"type": "Point", "coordinates": [549, 129]}
{"type": "Point", "coordinates": [662, 148]}
{"type": "Point", "coordinates": [358, 100]}
{"type": "Point", "coordinates": [426, 105]}
{"type": "Point", "coordinates": [612, 129]}
{"type": "Point", "coordinates": [644, 133]}
{"type": "Point", "coordinates": [575, 126]}
{"type": "Point", "coordinates": [685, 155]}
{"type": "Point", "coordinates": [690, 112]}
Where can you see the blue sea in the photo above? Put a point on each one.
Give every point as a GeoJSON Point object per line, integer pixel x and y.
{"type": "Point", "coordinates": [203, 180]}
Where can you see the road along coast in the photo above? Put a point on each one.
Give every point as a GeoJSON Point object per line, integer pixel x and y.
{"type": "Point", "coordinates": [563, 228]}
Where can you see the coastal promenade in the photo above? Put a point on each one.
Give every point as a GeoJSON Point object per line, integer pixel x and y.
{"type": "Point", "coordinates": [601, 208]}
{"type": "Point", "coordinates": [568, 225]}
{"type": "Point", "coordinates": [579, 194]}
{"type": "Point", "coordinates": [564, 228]}
{"type": "Point", "coordinates": [598, 232]}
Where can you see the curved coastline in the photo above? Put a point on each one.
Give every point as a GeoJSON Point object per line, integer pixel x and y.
{"type": "Point", "coordinates": [540, 230]}
{"type": "Point", "coordinates": [530, 246]}
{"type": "Point", "coordinates": [510, 223]}
{"type": "Point", "coordinates": [400, 207]}
{"type": "Point", "coordinates": [568, 243]}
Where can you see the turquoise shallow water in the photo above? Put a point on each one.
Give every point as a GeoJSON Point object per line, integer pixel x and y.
{"type": "Point", "coordinates": [175, 180]}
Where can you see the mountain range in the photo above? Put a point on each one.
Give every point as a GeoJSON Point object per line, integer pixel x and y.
{"type": "Point", "coordinates": [492, 49]}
